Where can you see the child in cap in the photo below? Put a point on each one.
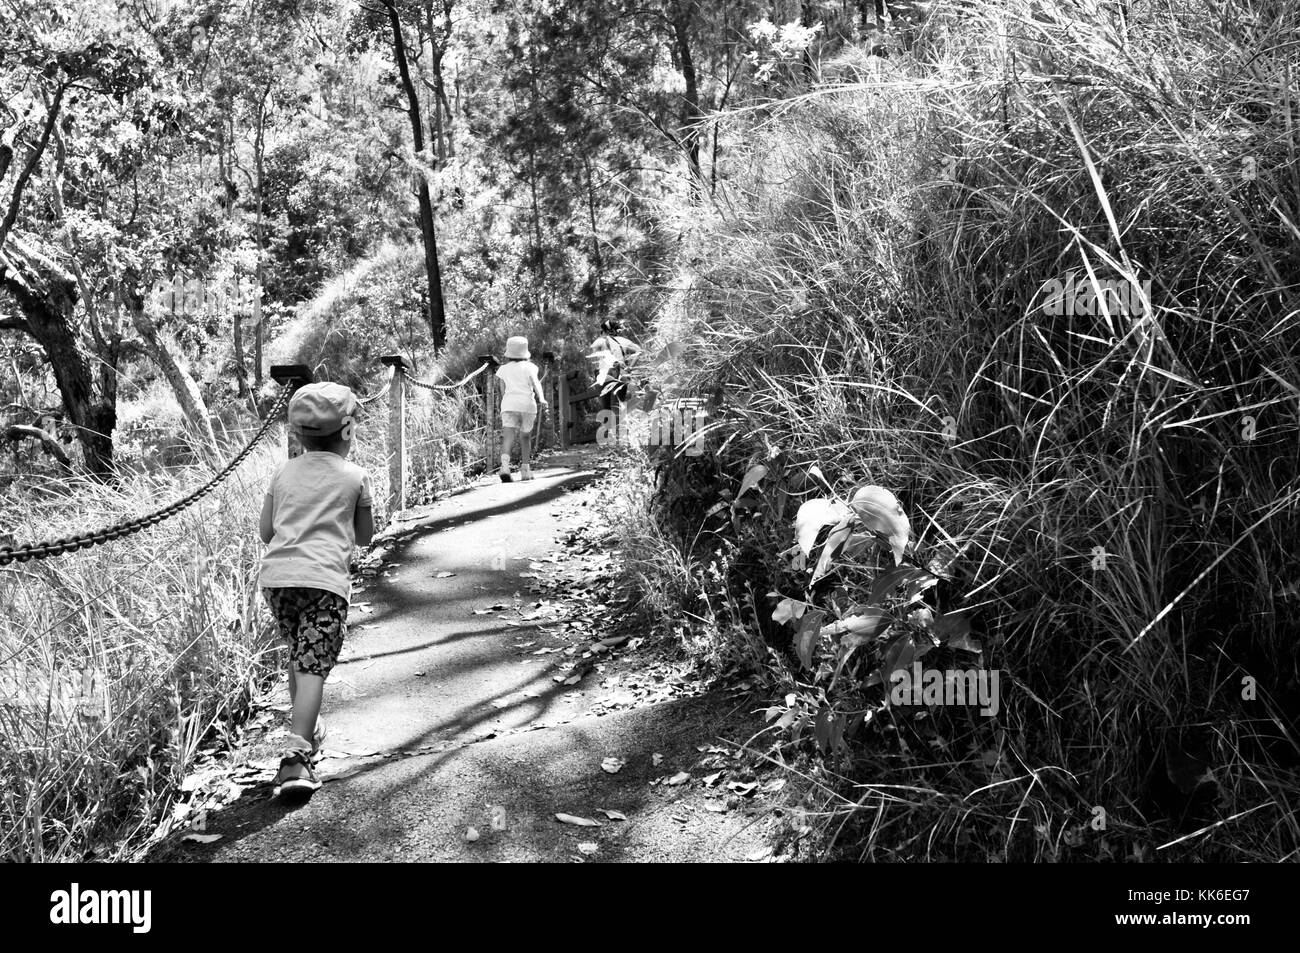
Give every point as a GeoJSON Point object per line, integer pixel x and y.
{"type": "Point", "coordinates": [317, 508]}
{"type": "Point", "coordinates": [521, 393]}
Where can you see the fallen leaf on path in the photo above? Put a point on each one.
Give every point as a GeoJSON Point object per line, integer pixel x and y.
{"type": "Point", "coordinates": [419, 675]}
{"type": "Point", "coordinates": [498, 818]}
{"type": "Point", "coordinates": [614, 815]}
{"type": "Point", "coordinates": [760, 854]}
{"type": "Point", "coordinates": [202, 838]}
{"type": "Point", "coordinates": [716, 807]}
{"type": "Point", "coordinates": [681, 777]}
{"type": "Point", "coordinates": [576, 821]}
{"type": "Point", "coordinates": [195, 781]}
{"type": "Point", "coordinates": [471, 834]}
{"type": "Point", "coordinates": [587, 847]}
{"type": "Point", "coordinates": [612, 765]}
{"type": "Point", "coordinates": [771, 787]}
{"type": "Point", "coordinates": [656, 759]}
{"type": "Point", "coordinates": [712, 779]}
{"type": "Point", "coordinates": [743, 788]}
{"type": "Point", "coordinates": [443, 575]}
{"type": "Point", "coordinates": [344, 774]}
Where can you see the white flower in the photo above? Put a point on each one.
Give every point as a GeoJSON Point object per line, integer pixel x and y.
{"type": "Point", "coordinates": [764, 29]}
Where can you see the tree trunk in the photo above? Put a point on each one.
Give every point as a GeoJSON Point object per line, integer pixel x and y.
{"type": "Point", "coordinates": [46, 296]}
{"type": "Point", "coordinates": [539, 254]}
{"type": "Point", "coordinates": [33, 160]}
{"type": "Point", "coordinates": [691, 112]}
{"type": "Point", "coordinates": [16, 432]}
{"type": "Point", "coordinates": [437, 314]}
{"type": "Point", "coordinates": [596, 261]}
{"type": "Point", "coordinates": [237, 347]}
{"type": "Point", "coordinates": [440, 121]}
{"type": "Point", "coordinates": [182, 384]}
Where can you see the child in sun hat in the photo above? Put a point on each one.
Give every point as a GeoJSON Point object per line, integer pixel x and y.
{"type": "Point", "coordinates": [520, 396]}
{"type": "Point", "coordinates": [316, 509]}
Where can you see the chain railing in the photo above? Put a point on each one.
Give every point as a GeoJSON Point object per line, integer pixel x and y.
{"type": "Point", "coordinates": [399, 453]}
{"type": "Point", "coordinates": [383, 389]}
{"type": "Point", "coordinates": [473, 418]}
{"type": "Point", "coordinates": [67, 544]}
{"type": "Point", "coordinates": [460, 383]}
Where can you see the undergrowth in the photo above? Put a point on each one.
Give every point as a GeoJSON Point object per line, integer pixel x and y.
{"type": "Point", "coordinates": [1103, 484]}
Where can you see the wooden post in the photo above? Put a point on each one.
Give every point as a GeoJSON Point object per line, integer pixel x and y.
{"type": "Point", "coordinates": [542, 438]}
{"type": "Point", "coordinates": [396, 433]}
{"type": "Point", "coordinates": [291, 376]}
{"type": "Point", "coordinates": [564, 408]}
{"type": "Point", "coordinates": [553, 424]}
{"type": "Point", "coordinates": [490, 416]}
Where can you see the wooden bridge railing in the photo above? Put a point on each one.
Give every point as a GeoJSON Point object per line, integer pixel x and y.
{"type": "Point", "coordinates": [556, 428]}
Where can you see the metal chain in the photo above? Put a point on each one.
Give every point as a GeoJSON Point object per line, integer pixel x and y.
{"type": "Point", "coordinates": [382, 390]}
{"type": "Point", "coordinates": [460, 383]}
{"type": "Point", "coordinates": [56, 547]}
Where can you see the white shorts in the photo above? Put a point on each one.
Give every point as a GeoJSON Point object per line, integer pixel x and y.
{"type": "Point", "coordinates": [518, 419]}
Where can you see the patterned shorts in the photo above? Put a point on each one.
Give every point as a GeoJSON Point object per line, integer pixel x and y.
{"type": "Point", "coordinates": [313, 622]}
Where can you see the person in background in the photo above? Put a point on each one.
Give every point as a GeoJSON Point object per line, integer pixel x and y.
{"type": "Point", "coordinates": [317, 508]}
{"type": "Point", "coordinates": [612, 354]}
{"type": "Point", "coordinates": [521, 395]}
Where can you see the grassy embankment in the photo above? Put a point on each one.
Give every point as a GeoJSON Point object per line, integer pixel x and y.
{"type": "Point", "coordinates": [1109, 498]}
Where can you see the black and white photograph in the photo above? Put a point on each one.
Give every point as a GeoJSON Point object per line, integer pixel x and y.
{"type": "Point", "coordinates": [580, 432]}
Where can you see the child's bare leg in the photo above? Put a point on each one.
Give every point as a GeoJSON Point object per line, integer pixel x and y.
{"type": "Point", "coordinates": [293, 684]}
{"type": "Point", "coordinates": [525, 450]}
{"type": "Point", "coordinates": [507, 445]}
{"type": "Point", "coordinates": [306, 690]}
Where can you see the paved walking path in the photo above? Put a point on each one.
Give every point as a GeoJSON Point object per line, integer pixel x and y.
{"type": "Point", "coordinates": [443, 717]}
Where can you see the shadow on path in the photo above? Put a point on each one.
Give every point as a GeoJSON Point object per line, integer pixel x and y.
{"type": "Point", "coordinates": [441, 719]}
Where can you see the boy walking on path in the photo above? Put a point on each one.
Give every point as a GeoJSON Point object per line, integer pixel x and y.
{"type": "Point", "coordinates": [317, 508]}
{"type": "Point", "coordinates": [520, 396]}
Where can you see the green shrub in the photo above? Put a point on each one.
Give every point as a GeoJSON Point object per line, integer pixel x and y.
{"type": "Point", "coordinates": [870, 294]}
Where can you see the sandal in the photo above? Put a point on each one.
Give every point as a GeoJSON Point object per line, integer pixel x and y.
{"type": "Point", "coordinates": [296, 780]}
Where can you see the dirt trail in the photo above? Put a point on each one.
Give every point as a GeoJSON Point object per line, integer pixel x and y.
{"type": "Point", "coordinates": [442, 718]}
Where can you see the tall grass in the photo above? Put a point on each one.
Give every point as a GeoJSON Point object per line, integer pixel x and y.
{"type": "Point", "coordinates": [117, 660]}
{"type": "Point", "coordinates": [877, 264]}
{"type": "Point", "coordinates": [444, 444]}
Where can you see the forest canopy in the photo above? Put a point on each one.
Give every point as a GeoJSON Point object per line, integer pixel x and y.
{"type": "Point", "coordinates": [471, 164]}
